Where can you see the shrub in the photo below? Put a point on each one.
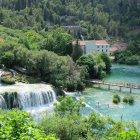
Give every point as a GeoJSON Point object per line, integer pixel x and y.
{"type": "Point", "coordinates": [7, 80]}
{"type": "Point", "coordinates": [115, 100]}
{"type": "Point", "coordinates": [133, 60]}
{"type": "Point", "coordinates": [8, 59]}
{"type": "Point", "coordinates": [80, 86]}
{"type": "Point", "coordinates": [117, 96]}
{"type": "Point", "coordinates": [125, 100]}
{"type": "Point", "coordinates": [18, 125]}
{"type": "Point", "coordinates": [102, 75]}
{"type": "Point", "coordinates": [131, 100]}
{"type": "Point", "coordinates": [71, 86]}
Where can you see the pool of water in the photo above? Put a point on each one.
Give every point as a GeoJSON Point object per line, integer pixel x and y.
{"type": "Point", "coordinates": [101, 99]}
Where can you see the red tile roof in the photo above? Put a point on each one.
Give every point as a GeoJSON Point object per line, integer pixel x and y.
{"type": "Point", "coordinates": [81, 43]}
{"type": "Point", "coordinates": [113, 49]}
{"type": "Point", "coordinates": [119, 44]}
{"type": "Point", "coordinates": [100, 42]}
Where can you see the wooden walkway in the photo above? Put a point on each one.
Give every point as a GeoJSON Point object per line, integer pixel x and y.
{"type": "Point", "coordinates": [120, 85]}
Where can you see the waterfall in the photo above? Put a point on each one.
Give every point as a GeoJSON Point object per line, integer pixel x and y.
{"type": "Point", "coordinates": [0, 74]}
{"type": "Point", "coordinates": [27, 96]}
{"type": "Point", "coordinates": [35, 99]}
{"type": "Point", "coordinates": [2, 103]}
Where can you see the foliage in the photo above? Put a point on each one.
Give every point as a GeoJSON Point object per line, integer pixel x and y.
{"type": "Point", "coordinates": [67, 106]}
{"type": "Point", "coordinates": [116, 99]}
{"type": "Point", "coordinates": [7, 80]}
{"type": "Point", "coordinates": [131, 100]}
{"type": "Point", "coordinates": [133, 60]}
{"type": "Point", "coordinates": [123, 131]}
{"type": "Point", "coordinates": [69, 124]}
{"type": "Point", "coordinates": [130, 55]}
{"type": "Point", "coordinates": [125, 100]}
{"type": "Point", "coordinates": [7, 59]}
{"type": "Point", "coordinates": [107, 61]}
{"type": "Point", "coordinates": [58, 41]}
{"type": "Point", "coordinates": [60, 71]}
{"type": "Point", "coordinates": [27, 79]}
{"type": "Point", "coordinates": [77, 51]}
{"type": "Point", "coordinates": [15, 124]}
{"type": "Point", "coordinates": [93, 63]}
{"type": "Point", "coordinates": [98, 32]}
{"type": "Point", "coordinates": [97, 18]}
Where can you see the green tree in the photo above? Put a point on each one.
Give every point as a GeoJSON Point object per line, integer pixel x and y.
{"type": "Point", "coordinates": [77, 51]}
{"type": "Point", "coordinates": [93, 64]}
{"type": "Point", "coordinates": [8, 59]}
{"type": "Point", "coordinates": [18, 125]}
{"type": "Point", "coordinates": [98, 32]}
{"type": "Point", "coordinates": [107, 61]}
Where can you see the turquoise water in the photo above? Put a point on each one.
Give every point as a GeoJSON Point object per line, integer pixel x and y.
{"type": "Point", "coordinates": [101, 99]}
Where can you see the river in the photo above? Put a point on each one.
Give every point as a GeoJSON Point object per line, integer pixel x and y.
{"type": "Point", "coordinates": [101, 99]}
{"type": "Point", "coordinates": [36, 98]}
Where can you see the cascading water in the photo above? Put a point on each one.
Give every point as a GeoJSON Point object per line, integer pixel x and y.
{"type": "Point", "coordinates": [2, 103]}
{"type": "Point", "coordinates": [33, 98]}
{"type": "Point", "coordinates": [0, 76]}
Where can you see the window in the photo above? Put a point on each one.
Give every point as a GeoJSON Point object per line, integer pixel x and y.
{"type": "Point", "coordinates": [102, 50]}
{"type": "Point", "coordinates": [106, 46]}
{"type": "Point", "coordinates": [106, 50]}
{"type": "Point", "coordinates": [98, 46]}
{"type": "Point", "coordinates": [102, 46]}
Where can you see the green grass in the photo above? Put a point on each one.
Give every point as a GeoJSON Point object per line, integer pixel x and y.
{"type": "Point", "coordinates": [27, 79]}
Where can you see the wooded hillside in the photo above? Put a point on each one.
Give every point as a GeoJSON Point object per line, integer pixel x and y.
{"type": "Point", "coordinates": [98, 18]}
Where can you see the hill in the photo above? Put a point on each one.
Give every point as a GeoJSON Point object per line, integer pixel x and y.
{"type": "Point", "coordinates": [98, 19]}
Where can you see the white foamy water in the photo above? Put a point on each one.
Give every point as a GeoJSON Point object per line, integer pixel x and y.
{"type": "Point", "coordinates": [33, 98]}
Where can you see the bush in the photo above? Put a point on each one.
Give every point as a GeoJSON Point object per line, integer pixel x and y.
{"type": "Point", "coordinates": [131, 100]}
{"type": "Point", "coordinates": [107, 61]}
{"type": "Point", "coordinates": [18, 125]}
{"type": "Point", "coordinates": [8, 59]}
{"type": "Point", "coordinates": [80, 86]}
{"type": "Point", "coordinates": [133, 60]}
{"type": "Point", "coordinates": [7, 80]}
{"type": "Point", "coordinates": [102, 75]}
{"type": "Point", "coordinates": [115, 100]}
{"type": "Point", "coordinates": [117, 96]}
{"type": "Point", "coordinates": [125, 100]}
{"type": "Point", "coordinates": [70, 86]}
{"type": "Point", "coordinates": [27, 79]}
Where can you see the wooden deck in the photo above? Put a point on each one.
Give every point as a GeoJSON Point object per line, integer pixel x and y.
{"type": "Point", "coordinates": [120, 85]}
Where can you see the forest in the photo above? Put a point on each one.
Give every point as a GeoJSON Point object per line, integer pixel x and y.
{"type": "Point", "coordinates": [99, 19]}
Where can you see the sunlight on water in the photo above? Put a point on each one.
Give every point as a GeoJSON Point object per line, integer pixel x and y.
{"type": "Point", "coordinates": [101, 99]}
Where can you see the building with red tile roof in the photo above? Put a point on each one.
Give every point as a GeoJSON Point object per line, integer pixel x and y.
{"type": "Point", "coordinates": [81, 43]}
{"type": "Point", "coordinates": [100, 42]}
{"type": "Point", "coordinates": [89, 46]}
{"type": "Point", "coordinates": [118, 46]}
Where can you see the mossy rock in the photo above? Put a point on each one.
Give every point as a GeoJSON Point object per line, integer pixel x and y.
{"type": "Point", "coordinates": [7, 80]}
{"type": "Point", "coordinates": [11, 99]}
